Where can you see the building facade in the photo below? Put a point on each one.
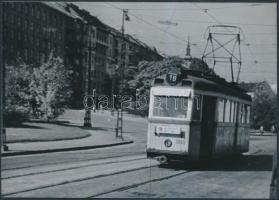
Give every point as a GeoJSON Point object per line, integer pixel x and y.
{"type": "Point", "coordinates": [32, 31]}
{"type": "Point", "coordinates": [91, 49]}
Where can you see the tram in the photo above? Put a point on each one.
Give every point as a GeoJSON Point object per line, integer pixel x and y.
{"type": "Point", "coordinates": [196, 117]}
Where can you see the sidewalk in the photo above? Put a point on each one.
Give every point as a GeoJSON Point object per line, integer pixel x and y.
{"type": "Point", "coordinates": [100, 136]}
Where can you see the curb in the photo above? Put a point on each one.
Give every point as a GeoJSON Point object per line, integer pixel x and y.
{"type": "Point", "coordinates": [63, 149]}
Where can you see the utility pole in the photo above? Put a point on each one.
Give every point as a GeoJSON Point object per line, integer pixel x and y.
{"type": "Point", "coordinates": [119, 122]}
{"type": "Point", "coordinates": [88, 87]}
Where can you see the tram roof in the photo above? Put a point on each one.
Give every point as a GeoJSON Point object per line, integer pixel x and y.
{"type": "Point", "coordinates": [210, 85]}
{"type": "Point", "coordinates": [224, 88]}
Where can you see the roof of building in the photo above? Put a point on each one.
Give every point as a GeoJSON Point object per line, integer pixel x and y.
{"type": "Point", "coordinates": [73, 11]}
{"type": "Point", "coordinates": [64, 8]}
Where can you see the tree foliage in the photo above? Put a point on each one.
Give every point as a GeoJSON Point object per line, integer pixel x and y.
{"type": "Point", "coordinates": [146, 72]}
{"type": "Point", "coordinates": [40, 92]}
{"type": "Point", "coordinates": [263, 111]}
{"type": "Point", "coordinates": [263, 108]}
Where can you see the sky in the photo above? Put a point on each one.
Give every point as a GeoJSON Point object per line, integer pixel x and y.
{"type": "Point", "coordinates": [257, 23]}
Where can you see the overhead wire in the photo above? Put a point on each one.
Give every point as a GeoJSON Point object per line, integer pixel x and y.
{"type": "Point", "coordinates": [182, 39]}
{"type": "Point", "coordinates": [190, 9]}
{"type": "Point", "coordinates": [206, 22]}
{"type": "Point", "coordinates": [155, 26]}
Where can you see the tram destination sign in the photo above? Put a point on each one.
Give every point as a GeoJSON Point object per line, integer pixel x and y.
{"type": "Point", "coordinates": [173, 76]}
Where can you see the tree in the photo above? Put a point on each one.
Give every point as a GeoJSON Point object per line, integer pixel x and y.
{"type": "Point", "coordinates": [148, 71]}
{"type": "Point", "coordinates": [41, 92]}
{"type": "Point", "coordinates": [263, 111]}
{"type": "Point", "coordinates": [50, 87]}
{"type": "Point", "coordinates": [263, 108]}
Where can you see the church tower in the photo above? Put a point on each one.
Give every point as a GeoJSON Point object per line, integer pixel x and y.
{"type": "Point", "coordinates": [188, 57]}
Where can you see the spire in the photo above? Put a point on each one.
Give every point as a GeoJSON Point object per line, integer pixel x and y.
{"type": "Point", "coordinates": [188, 56]}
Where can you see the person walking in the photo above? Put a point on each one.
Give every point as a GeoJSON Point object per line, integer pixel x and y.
{"type": "Point", "coordinates": [261, 130]}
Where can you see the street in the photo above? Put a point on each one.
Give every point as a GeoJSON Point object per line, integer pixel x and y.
{"type": "Point", "coordinates": [124, 171]}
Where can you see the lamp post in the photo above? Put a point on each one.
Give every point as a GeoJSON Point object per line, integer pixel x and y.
{"type": "Point", "coordinates": [112, 88]}
{"type": "Point", "coordinates": [119, 124]}
{"type": "Point", "coordinates": [88, 87]}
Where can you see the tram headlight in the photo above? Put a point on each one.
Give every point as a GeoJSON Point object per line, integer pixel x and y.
{"type": "Point", "coordinates": [168, 143]}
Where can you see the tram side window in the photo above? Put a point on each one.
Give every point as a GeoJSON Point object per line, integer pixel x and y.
{"type": "Point", "coordinates": [227, 110]}
{"type": "Point", "coordinates": [241, 114]}
{"type": "Point", "coordinates": [220, 110]}
{"type": "Point", "coordinates": [197, 107]}
{"type": "Point", "coordinates": [248, 114]}
{"type": "Point", "coordinates": [232, 111]}
{"type": "Point", "coordinates": [245, 114]}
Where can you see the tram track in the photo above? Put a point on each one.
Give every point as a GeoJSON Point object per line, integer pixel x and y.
{"type": "Point", "coordinates": [77, 180]}
{"type": "Point", "coordinates": [77, 165]}
{"type": "Point", "coordinates": [82, 160]}
{"type": "Point", "coordinates": [137, 185]}
{"type": "Point", "coordinates": [44, 179]}
{"type": "Point", "coordinates": [70, 168]}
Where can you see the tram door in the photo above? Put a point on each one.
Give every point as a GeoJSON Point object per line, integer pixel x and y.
{"type": "Point", "coordinates": [207, 126]}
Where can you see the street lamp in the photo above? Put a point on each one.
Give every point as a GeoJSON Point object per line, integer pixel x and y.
{"type": "Point", "coordinates": [119, 124]}
{"type": "Point", "coordinates": [88, 88]}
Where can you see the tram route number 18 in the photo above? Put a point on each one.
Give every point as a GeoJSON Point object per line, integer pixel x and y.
{"type": "Point", "coordinates": [172, 78]}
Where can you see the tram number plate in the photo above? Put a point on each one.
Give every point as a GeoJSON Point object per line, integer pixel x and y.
{"type": "Point", "coordinates": [168, 129]}
{"type": "Point", "coordinates": [179, 141]}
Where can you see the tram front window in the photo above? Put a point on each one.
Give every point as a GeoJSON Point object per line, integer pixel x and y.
{"type": "Point", "coordinates": [170, 106]}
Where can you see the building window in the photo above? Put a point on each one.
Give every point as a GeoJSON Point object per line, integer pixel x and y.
{"type": "Point", "coordinates": [38, 12]}
{"type": "Point", "coordinates": [32, 10]}
{"type": "Point", "coordinates": [24, 7]}
{"type": "Point", "coordinates": [31, 26]}
{"type": "Point", "coordinates": [44, 15]}
{"type": "Point", "coordinates": [19, 36]}
{"type": "Point", "coordinates": [25, 24]}
{"type": "Point", "coordinates": [37, 42]}
{"type": "Point", "coordinates": [25, 54]}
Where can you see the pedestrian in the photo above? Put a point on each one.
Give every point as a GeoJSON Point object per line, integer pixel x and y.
{"type": "Point", "coordinates": [261, 130]}
{"type": "Point", "coordinates": [272, 129]}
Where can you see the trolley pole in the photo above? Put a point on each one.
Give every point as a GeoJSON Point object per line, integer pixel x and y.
{"type": "Point", "coordinates": [87, 117]}
{"type": "Point", "coordinates": [119, 123]}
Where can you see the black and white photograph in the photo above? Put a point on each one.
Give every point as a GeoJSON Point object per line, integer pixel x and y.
{"type": "Point", "coordinates": [138, 99]}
